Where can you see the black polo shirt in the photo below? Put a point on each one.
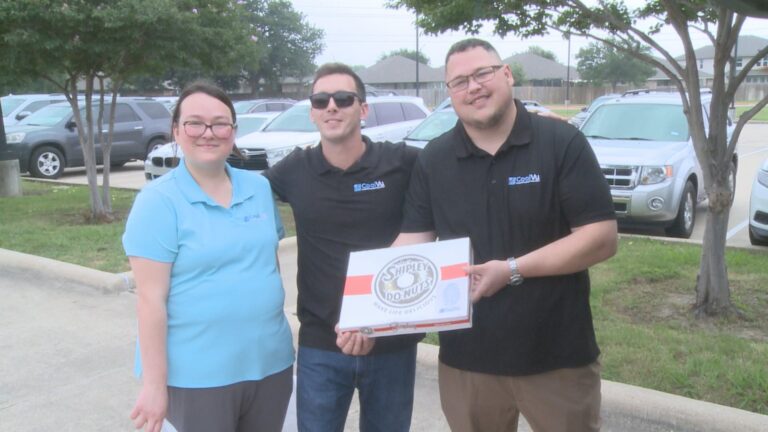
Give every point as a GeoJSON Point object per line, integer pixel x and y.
{"type": "Point", "coordinates": [338, 212]}
{"type": "Point", "coordinates": [544, 180]}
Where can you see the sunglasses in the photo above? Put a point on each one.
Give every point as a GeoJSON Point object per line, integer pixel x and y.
{"type": "Point", "coordinates": [342, 99]}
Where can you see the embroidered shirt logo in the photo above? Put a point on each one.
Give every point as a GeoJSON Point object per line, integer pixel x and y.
{"type": "Point", "coordinates": [521, 180]}
{"type": "Point", "coordinates": [257, 216]}
{"type": "Point", "coordinates": [378, 184]}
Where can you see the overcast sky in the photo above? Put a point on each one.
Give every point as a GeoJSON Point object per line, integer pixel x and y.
{"type": "Point", "coordinates": [358, 32]}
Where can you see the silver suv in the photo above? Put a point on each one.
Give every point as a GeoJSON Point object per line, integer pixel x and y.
{"type": "Point", "coordinates": [642, 143]}
{"type": "Point", "coordinates": [18, 107]}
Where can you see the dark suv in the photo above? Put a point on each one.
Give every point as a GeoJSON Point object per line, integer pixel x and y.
{"type": "Point", "coordinates": [46, 142]}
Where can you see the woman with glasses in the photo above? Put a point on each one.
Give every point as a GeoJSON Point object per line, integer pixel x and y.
{"type": "Point", "coordinates": [215, 350]}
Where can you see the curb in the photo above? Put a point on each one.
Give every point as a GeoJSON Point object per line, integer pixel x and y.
{"type": "Point", "coordinates": [105, 282]}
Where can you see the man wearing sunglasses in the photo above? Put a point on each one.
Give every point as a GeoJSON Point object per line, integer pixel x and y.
{"type": "Point", "coordinates": [529, 193]}
{"type": "Point", "coordinates": [346, 194]}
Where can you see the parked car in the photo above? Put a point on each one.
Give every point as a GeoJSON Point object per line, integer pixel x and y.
{"type": "Point", "coordinates": [168, 101]}
{"type": "Point", "coordinates": [444, 117]}
{"type": "Point", "coordinates": [390, 118]}
{"type": "Point", "coordinates": [642, 143]}
{"type": "Point", "coordinates": [18, 107]}
{"type": "Point", "coordinates": [47, 142]}
{"type": "Point", "coordinates": [579, 118]}
{"type": "Point", "coordinates": [263, 105]}
{"type": "Point", "coordinates": [758, 208]}
{"type": "Point", "coordinates": [166, 157]}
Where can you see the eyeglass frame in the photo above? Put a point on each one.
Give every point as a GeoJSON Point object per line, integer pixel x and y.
{"type": "Point", "coordinates": [339, 93]}
{"type": "Point", "coordinates": [463, 83]}
{"type": "Point", "coordinates": [206, 126]}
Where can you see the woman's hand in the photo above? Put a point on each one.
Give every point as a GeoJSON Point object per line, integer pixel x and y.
{"type": "Point", "coordinates": [151, 407]}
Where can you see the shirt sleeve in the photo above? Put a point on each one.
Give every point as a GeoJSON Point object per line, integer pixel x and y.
{"type": "Point", "coordinates": [151, 229]}
{"type": "Point", "coordinates": [584, 193]}
{"type": "Point", "coordinates": [417, 211]}
{"type": "Point", "coordinates": [276, 176]}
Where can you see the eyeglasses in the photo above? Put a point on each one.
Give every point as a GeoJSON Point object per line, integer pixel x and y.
{"type": "Point", "coordinates": [196, 129]}
{"type": "Point", "coordinates": [481, 75]}
{"type": "Point", "coordinates": [342, 99]}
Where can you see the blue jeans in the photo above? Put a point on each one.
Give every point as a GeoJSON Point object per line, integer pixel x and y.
{"type": "Point", "coordinates": [326, 381]}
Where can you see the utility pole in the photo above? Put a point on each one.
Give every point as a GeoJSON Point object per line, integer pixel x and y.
{"type": "Point", "coordinates": [568, 73]}
{"type": "Point", "coordinates": [417, 54]}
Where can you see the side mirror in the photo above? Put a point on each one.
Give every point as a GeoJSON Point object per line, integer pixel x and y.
{"type": "Point", "coordinates": [362, 124]}
{"type": "Point", "coordinates": [22, 115]}
{"type": "Point", "coordinates": [71, 125]}
{"type": "Point", "coordinates": [584, 109]}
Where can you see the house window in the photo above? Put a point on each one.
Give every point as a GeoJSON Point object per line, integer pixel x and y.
{"type": "Point", "coordinates": [738, 62]}
{"type": "Point", "coordinates": [701, 64]}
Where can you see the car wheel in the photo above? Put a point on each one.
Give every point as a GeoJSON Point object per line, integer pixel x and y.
{"type": "Point", "coordinates": [755, 240]}
{"type": "Point", "coordinates": [686, 214]}
{"type": "Point", "coordinates": [154, 144]}
{"type": "Point", "coordinates": [46, 162]}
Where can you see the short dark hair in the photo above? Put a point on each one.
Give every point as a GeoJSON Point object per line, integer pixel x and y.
{"type": "Point", "coordinates": [467, 44]}
{"type": "Point", "coordinates": [340, 68]}
{"type": "Point", "coordinates": [205, 87]}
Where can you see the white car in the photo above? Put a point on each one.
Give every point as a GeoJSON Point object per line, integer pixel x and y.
{"type": "Point", "coordinates": [444, 118]}
{"type": "Point", "coordinates": [390, 118]}
{"type": "Point", "coordinates": [166, 157]}
{"type": "Point", "coordinates": [758, 208]}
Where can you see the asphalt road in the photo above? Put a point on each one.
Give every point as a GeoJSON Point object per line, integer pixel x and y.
{"type": "Point", "coordinates": [752, 149]}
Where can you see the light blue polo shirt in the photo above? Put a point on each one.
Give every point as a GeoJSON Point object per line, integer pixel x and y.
{"type": "Point", "coordinates": [225, 305]}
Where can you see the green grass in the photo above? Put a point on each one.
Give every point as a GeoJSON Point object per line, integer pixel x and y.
{"type": "Point", "coordinates": [641, 298]}
{"type": "Point", "coordinates": [762, 115]}
{"type": "Point", "coordinates": [52, 220]}
{"type": "Point", "coordinates": [568, 113]}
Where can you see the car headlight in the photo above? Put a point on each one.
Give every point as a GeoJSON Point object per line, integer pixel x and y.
{"type": "Point", "coordinates": [15, 138]}
{"type": "Point", "coordinates": [275, 155]}
{"type": "Point", "coordinates": [655, 174]}
{"type": "Point", "coordinates": [762, 177]}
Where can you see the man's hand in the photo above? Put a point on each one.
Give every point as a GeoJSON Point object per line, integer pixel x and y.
{"type": "Point", "coordinates": [354, 343]}
{"type": "Point", "coordinates": [487, 279]}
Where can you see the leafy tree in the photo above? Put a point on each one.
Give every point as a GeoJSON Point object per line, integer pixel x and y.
{"type": "Point", "coordinates": [85, 42]}
{"type": "Point", "coordinates": [541, 52]}
{"type": "Point", "coordinates": [289, 44]}
{"type": "Point", "coordinates": [600, 63]}
{"type": "Point", "coordinates": [519, 73]}
{"type": "Point", "coordinates": [414, 55]}
{"type": "Point", "coordinates": [710, 17]}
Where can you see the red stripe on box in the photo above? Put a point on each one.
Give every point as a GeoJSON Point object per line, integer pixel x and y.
{"type": "Point", "coordinates": [358, 285]}
{"type": "Point", "coordinates": [455, 271]}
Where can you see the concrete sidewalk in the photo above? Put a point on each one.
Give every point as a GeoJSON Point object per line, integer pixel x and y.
{"type": "Point", "coordinates": [67, 335]}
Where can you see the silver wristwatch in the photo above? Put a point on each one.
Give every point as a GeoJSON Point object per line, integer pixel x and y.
{"type": "Point", "coordinates": [515, 277]}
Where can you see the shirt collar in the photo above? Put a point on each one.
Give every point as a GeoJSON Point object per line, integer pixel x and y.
{"type": "Point", "coordinates": [321, 166]}
{"type": "Point", "coordinates": [521, 134]}
{"type": "Point", "coordinates": [242, 189]}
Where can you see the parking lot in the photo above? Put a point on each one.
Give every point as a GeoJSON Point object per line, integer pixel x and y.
{"type": "Point", "coordinates": [752, 148]}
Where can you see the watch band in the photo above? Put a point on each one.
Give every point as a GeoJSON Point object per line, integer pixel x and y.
{"type": "Point", "coordinates": [515, 278]}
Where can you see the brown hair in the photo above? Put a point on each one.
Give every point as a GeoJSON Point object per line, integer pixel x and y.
{"type": "Point", "coordinates": [467, 44]}
{"type": "Point", "coordinates": [340, 68]}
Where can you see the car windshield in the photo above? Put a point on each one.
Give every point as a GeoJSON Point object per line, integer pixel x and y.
{"type": "Point", "coordinates": [9, 104]}
{"type": "Point", "coordinates": [652, 122]}
{"type": "Point", "coordinates": [434, 125]}
{"type": "Point", "coordinates": [242, 107]}
{"type": "Point", "coordinates": [48, 116]}
{"type": "Point", "coordinates": [294, 119]}
{"type": "Point", "coordinates": [246, 125]}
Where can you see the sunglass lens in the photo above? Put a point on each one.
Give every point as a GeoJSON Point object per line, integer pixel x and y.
{"type": "Point", "coordinates": [320, 100]}
{"type": "Point", "coordinates": [343, 99]}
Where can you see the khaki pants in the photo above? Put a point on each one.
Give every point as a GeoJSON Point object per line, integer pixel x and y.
{"type": "Point", "coordinates": [562, 400]}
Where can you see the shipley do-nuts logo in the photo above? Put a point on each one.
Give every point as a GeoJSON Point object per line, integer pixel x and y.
{"type": "Point", "coordinates": [405, 281]}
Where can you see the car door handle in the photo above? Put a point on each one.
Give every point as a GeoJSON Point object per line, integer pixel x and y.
{"type": "Point", "coordinates": [138, 127]}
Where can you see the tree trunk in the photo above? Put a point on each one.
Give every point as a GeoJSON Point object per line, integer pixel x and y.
{"type": "Point", "coordinates": [89, 151]}
{"type": "Point", "coordinates": [713, 294]}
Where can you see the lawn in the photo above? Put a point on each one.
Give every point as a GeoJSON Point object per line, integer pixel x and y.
{"type": "Point", "coordinates": [762, 115]}
{"type": "Point", "coordinates": [641, 298]}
